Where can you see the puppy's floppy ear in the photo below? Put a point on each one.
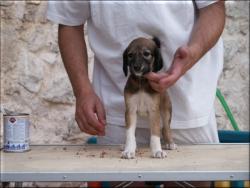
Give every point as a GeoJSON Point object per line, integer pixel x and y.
{"type": "Point", "coordinates": [157, 42]}
{"type": "Point", "coordinates": [158, 64]}
{"type": "Point", "coordinates": [125, 62]}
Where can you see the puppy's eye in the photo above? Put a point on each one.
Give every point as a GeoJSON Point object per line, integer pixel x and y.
{"type": "Point", "coordinates": [146, 54]}
{"type": "Point", "coordinates": [130, 55]}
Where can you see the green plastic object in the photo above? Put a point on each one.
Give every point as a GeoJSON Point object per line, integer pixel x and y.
{"type": "Point", "coordinates": [227, 110]}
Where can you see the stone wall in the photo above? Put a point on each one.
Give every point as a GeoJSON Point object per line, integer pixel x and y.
{"type": "Point", "coordinates": [234, 81]}
{"type": "Point", "coordinates": [33, 78]}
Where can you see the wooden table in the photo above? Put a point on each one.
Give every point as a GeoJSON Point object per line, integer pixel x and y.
{"type": "Point", "coordinates": [103, 163]}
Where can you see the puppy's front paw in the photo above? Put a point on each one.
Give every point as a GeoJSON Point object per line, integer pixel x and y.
{"type": "Point", "coordinates": [159, 154]}
{"type": "Point", "coordinates": [171, 146]}
{"type": "Point", "coordinates": [128, 154]}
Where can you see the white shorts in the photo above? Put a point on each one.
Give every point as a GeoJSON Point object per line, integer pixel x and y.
{"type": "Point", "coordinates": [206, 134]}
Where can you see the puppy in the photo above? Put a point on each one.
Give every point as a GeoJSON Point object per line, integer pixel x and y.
{"type": "Point", "coordinates": [143, 56]}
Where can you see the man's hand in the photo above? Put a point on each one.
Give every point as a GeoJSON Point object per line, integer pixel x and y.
{"type": "Point", "coordinates": [90, 114]}
{"type": "Point", "coordinates": [182, 61]}
{"type": "Point", "coordinates": [206, 32]}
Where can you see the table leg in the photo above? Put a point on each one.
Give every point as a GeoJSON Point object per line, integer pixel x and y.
{"type": "Point", "coordinates": [18, 184]}
{"type": "Point", "coordinates": [5, 184]}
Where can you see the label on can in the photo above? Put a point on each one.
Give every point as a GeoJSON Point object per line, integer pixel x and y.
{"type": "Point", "coordinates": [16, 133]}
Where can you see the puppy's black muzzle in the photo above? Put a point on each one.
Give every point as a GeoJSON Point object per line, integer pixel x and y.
{"type": "Point", "coordinates": [139, 68]}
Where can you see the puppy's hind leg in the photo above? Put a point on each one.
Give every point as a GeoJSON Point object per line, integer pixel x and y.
{"type": "Point", "coordinates": [166, 113]}
{"type": "Point", "coordinates": [155, 142]}
{"type": "Point", "coordinates": [130, 145]}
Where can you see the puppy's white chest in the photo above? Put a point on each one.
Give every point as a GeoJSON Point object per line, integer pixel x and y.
{"type": "Point", "coordinates": [142, 102]}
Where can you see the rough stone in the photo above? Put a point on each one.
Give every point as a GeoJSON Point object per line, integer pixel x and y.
{"type": "Point", "coordinates": [19, 10]}
{"type": "Point", "coordinates": [59, 91]}
{"type": "Point", "coordinates": [48, 57]}
{"type": "Point", "coordinates": [238, 10]}
{"type": "Point", "coordinates": [230, 48]}
{"type": "Point", "coordinates": [35, 13]}
{"type": "Point", "coordinates": [31, 71]}
{"type": "Point", "coordinates": [234, 81]}
{"type": "Point", "coordinates": [74, 134]}
{"type": "Point", "coordinates": [33, 2]}
{"type": "Point", "coordinates": [36, 40]}
{"type": "Point", "coordinates": [6, 3]}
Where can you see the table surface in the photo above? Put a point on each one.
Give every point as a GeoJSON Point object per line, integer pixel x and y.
{"type": "Point", "coordinates": [103, 163]}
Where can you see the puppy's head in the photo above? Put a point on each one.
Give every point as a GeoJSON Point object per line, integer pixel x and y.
{"type": "Point", "coordinates": [142, 56]}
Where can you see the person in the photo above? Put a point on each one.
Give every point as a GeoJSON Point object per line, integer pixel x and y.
{"type": "Point", "coordinates": [192, 51]}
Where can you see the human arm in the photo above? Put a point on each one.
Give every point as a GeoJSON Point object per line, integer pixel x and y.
{"type": "Point", "coordinates": [206, 32]}
{"type": "Point", "coordinates": [90, 113]}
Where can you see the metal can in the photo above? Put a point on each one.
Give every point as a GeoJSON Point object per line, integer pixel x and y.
{"type": "Point", "coordinates": [16, 132]}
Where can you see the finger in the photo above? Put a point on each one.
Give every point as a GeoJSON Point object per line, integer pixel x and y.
{"type": "Point", "coordinates": [101, 115]}
{"type": "Point", "coordinates": [182, 52]}
{"type": "Point", "coordinates": [93, 121]}
{"type": "Point", "coordinates": [156, 87]}
{"type": "Point", "coordinates": [90, 128]}
{"type": "Point", "coordinates": [100, 112]}
{"type": "Point", "coordinates": [80, 125]}
{"type": "Point", "coordinates": [168, 81]}
{"type": "Point", "coordinates": [160, 86]}
{"type": "Point", "coordinates": [85, 128]}
{"type": "Point", "coordinates": [152, 76]}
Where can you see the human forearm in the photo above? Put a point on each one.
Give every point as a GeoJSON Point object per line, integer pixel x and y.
{"type": "Point", "coordinates": [207, 30]}
{"type": "Point", "coordinates": [74, 54]}
{"type": "Point", "coordinates": [90, 113]}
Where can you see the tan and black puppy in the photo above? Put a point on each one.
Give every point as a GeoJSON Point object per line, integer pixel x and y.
{"type": "Point", "coordinates": [143, 56]}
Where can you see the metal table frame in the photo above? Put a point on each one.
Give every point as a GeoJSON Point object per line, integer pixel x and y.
{"type": "Point", "coordinates": [126, 175]}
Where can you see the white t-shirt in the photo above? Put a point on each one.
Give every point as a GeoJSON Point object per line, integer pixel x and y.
{"type": "Point", "coordinates": [112, 25]}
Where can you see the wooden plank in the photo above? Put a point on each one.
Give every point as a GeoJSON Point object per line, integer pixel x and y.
{"type": "Point", "coordinates": [104, 159]}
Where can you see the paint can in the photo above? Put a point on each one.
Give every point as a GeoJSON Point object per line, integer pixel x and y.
{"type": "Point", "coordinates": [16, 132]}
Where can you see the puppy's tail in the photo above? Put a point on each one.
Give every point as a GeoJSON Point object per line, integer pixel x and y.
{"type": "Point", "coordinates": [157, 42]}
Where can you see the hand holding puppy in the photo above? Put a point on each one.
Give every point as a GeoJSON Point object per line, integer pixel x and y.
{"type": "Point", "coordinates": [182, 62]}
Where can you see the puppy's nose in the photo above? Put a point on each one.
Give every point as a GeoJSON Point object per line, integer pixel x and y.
{"type": "Point", "coordinates": [137, 67]}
